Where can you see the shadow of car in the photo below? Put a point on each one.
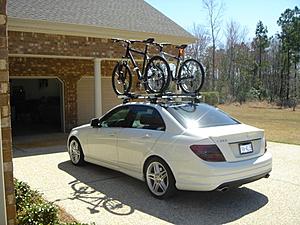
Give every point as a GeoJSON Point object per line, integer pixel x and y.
{"type": "Point", "coordinates": [99, 188]}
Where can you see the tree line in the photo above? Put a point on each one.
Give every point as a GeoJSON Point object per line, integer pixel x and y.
{"type": "Point", "coordinates": [264, 68]}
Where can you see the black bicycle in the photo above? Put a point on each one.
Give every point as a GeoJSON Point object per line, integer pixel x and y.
{"type": "Point", "coordinates": [153, 74]}
{"type": "Point", "coordinates": [188, 74]}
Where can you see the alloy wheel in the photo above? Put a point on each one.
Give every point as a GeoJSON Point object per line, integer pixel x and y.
{"type": "Point", "coordinates": [157, 178]}
{"type": "Point", "coordinates": [74, 151]}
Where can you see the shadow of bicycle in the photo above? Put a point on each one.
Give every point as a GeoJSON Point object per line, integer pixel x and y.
{"type": "Point", "coordinates": [100, 188]}
{"type": "Point", "coordinates": [95, 200]}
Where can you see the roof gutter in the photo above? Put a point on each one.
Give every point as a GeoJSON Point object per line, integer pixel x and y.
{"type": "Point", "coordinates": [41, 26]}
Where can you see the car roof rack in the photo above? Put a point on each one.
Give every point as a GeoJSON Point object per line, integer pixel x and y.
{"type": "Point", "coordinates": [163, 98]}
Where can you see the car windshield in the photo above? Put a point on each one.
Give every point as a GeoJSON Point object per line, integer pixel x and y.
{"type": "Point", "coordinates": [200, 115]}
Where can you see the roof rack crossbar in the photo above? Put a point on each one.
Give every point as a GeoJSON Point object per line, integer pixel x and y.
{"type": "Point", "coordinates": [153, 98]}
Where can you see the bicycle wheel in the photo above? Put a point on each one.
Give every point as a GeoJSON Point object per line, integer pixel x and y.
{"type": "Point", "coordinates": [191, 76]}
{"type": "Point", "coordinates": [121, 79]}
{"type": "Point", "coordinates": [157, 75]}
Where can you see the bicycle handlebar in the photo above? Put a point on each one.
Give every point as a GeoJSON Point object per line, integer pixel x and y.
{"type": "Point", "coordinates": [147, 41]}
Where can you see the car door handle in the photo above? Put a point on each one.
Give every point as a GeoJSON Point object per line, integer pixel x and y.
{"type": "Point", "coordinates": [111, 134]}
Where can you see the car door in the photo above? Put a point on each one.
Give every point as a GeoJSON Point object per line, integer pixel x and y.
{"type": "Point", "coordinates": [134, 142]}
{"type": "Point", "coordinates": [102, 140]}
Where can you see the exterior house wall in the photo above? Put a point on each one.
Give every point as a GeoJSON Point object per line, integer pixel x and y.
{"type": "Point", "coordinates": [5, 118]}
{"type": "Point", "coordinates": [51, 44]}
{"type": "Point", "coordinates": [63, 45]}
{"type": "Point", "coordinates": [25, 49]}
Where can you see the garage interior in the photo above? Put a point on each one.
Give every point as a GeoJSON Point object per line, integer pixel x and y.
{"type": "Point", "coordinates": [36, 106]}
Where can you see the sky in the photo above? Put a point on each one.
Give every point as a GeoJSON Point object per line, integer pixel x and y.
{"type": "Point", "coordinates": [246, 12]}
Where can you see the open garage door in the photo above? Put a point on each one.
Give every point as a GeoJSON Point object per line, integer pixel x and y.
{"type": "Point", "coordinates": [36, 106]}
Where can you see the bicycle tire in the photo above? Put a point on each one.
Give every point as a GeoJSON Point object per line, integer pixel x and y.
{"type": "Point", "coordinates": [195, 83]}
{"type": "Point", "coordinates": [120, 75]}
{"type": "Point", "coordinates": [160, 69]}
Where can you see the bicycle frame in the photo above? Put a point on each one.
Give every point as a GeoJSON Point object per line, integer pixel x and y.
{"type": "Point", "coordinates": [129, 55]}
{"type": "Point", "coordinates": [177, 58]}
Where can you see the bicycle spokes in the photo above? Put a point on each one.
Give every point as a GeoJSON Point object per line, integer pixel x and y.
{"type": "Point", "coordinates": [121, 79]}
{"type": "Point", "coordinates": [190, 81]}
{"type": "Point", "coordinates": [156, 76]}
{"type": "Point", "coordinates": [191, 76]}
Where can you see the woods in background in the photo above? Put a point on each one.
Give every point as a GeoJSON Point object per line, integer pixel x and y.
{"type": "Point", "coordinates": [265, 68]}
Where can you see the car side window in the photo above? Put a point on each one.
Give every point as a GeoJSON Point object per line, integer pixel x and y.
{"type": "Point", "coordinates": [116, 118]}
{"type": "Point", "coordinates": [146, 117]}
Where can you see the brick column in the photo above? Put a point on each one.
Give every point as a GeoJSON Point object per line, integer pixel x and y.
{"type": "Point", "coordinates": [70, 98]}
{"type": "Point", "coordinates": [5, 118]}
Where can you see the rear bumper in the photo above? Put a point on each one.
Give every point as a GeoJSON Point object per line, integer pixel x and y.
{"type": "Point", "coordinates": [238, 183]}
{"type": "Point", "coordinates": [209, 177]}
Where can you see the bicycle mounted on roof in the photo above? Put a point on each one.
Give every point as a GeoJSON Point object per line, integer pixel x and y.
{"type": "Point", "coordinates": [153, 74]}
{"type": "Point", "coordinates": [188, 73]}
{"type": "Point", "coordinates": [156, 74]}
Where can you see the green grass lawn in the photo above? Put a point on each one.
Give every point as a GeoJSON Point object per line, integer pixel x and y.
{"type": "Point", "coordinates": [280, 125]}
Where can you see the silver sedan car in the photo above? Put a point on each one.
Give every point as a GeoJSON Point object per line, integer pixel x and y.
{"type": "Point", "coordinates": [175, 146]}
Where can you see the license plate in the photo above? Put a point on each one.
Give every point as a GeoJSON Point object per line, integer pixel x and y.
{"type": "Point", "coordinates": [246, 148]}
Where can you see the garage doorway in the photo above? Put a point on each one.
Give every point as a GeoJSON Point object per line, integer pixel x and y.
{"type": "Point", "coordinates": [36, 106]}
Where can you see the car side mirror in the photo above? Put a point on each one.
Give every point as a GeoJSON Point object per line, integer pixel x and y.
{"type": "Point", "coordinates": [95, 122]}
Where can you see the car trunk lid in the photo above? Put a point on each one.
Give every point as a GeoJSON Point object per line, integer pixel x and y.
{"type": "Point", "coordinates": [236, 142]}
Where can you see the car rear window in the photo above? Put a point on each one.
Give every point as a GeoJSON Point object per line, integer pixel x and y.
{"type": "Point", "coordinates": [200, 115]}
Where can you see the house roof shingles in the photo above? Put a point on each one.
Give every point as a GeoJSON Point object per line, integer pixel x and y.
{"type": "Point", "coordinates": [129, 15]}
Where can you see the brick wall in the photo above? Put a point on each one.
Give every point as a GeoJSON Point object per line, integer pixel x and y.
{"type": "Point", "coordinates": [5, 118]}
{"type": "Point", "coordinates": [50, 44]}
{"type": "Point", "coordinates": [69, 71]}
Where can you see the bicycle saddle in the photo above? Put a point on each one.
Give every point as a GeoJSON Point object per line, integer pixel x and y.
{"type": "Point", "coordinates": [181, 46]}
{"type": "Point", "coordinates": [149, 40]}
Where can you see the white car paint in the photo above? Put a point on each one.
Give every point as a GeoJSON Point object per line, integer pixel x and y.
{"type": "Point", "coordinates": [127, 149]}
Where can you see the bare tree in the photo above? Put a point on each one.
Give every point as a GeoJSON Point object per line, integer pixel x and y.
{"type": "Point", "coordinates": [235, 39]}
{"type": "Point", "coordinates": [214, 13]}
{"type": "Point", "coordinates": [198, 49]}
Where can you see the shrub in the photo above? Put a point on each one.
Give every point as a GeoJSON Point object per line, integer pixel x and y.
{"type": "Point", "coordinates": [211, 98]}
{"type": "Point", "coordinates": [24, 195]}
{"type": "Point", "coordinates": [32, 209]}
{"type": "Point", "coordinates": [254, 94]}
{"type": "Point", "coordinates": [38, 213]}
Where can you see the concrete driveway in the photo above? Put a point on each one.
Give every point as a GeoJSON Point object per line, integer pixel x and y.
{"type": "Point", "coordinates": [95, 194]}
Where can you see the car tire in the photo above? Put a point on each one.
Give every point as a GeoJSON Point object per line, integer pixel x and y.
{"type": "Point", "coordinates": [159, 178]}
{"type": "Point", "coordinates": [75, 152]}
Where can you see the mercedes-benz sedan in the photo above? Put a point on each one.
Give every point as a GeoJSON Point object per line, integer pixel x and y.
{"type": "Point", "coordinates": [173, 147]}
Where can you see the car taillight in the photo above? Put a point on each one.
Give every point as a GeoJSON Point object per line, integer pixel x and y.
{"type": "Point", "coordinates": [209, 153]}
